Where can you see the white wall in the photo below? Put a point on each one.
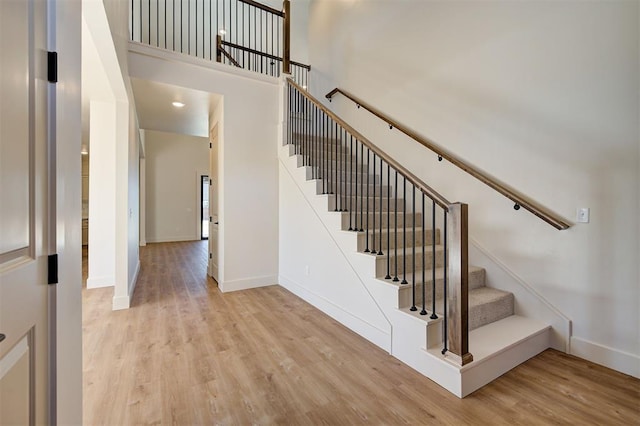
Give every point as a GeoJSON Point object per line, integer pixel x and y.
{"type": "Point", "coordinates": [109, 26]}
{"type": "Point", "coordinates": [173, 164]}
{"type": "Point", "coordinates": [542, 95]}
{"type": "Point", "coordinates": [248, 175]}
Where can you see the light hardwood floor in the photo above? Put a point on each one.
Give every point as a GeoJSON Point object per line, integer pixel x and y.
{"type": "Point", "coordinates": [187, 354]}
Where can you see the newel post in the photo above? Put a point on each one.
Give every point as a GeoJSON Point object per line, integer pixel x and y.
{"type": "Point", "coordinates": [458, 285]}
{"type": "Point", "coordinates": [286, 37]}
{"type": "Point", "coordinates": [219, 48]}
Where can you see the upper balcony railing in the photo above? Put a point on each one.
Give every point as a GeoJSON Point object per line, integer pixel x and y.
{"type": "Point", "coordinates": [241, 33]}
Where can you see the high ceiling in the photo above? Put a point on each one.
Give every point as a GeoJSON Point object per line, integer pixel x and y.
{"type": "Point", "coordinates": [156, 112]}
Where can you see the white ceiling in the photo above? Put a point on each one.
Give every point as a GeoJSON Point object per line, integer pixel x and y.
{"type": "Point", "coordinates": [155, 112]}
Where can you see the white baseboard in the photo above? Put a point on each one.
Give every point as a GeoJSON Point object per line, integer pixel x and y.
{"type": "Point", "coordinates": [143, 243]}
{"type": "Point", "coordinates": [609, 357]}
{"type": "Point", "coordinates": [171, 239]}
{"type": "Point", "coordinates": [134, 280]}
{"type": "Point", "coordinates": [370, 332]}
{"type": "Point", "coordinates": [124, 302]}
{"type": "Point", "coordinates": [121, 302]}
{"type": "Point", "coordinates": [247, 283]}
{"type": "Point", "coordinates": [100, 282]}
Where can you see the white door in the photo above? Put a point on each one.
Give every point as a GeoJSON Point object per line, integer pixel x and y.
{"type": "Point", "coordinates": [24, 374]}
{"type": "Point", "coordinates": [213, 204]}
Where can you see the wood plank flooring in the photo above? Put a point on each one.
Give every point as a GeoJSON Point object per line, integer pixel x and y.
{"type": "Point", "coordinates": [186, 354]}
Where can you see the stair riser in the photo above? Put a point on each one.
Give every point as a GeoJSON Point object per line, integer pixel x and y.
{"type": "Point", "coordinates": [374, 219]}
{"type": "Point", "coordinates": [341, 177]}
{"type": "Point", "coordinates": [332, 166]}
{"type": "Point", "coordinates": [361, 189]}
{"type": "Point", "coordinates": [381, 263]}
{"type": "Point", "coordinates": [476, 280]}
{"type": "Point", "coordinates": [317, 151]}
{"type": "Point", "coordinates": [389, 239]}
{"type": "Point", "coordinates": [356, 203]}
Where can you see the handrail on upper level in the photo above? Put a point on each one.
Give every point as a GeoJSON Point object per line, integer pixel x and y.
{"type": "Point", "coordinates": [264, 7]}
{"type": "Point", "coordinates": [428, 191]}
{"type": "Point", "coordinates": [519, 199]}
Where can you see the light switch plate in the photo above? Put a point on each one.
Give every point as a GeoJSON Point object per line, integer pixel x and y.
{"type": "Point", "coordinates": [582, 215]}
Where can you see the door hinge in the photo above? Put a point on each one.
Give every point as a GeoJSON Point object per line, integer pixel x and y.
{"type": "Point", "coordinates": [210, 255]}
{"type": "Point", "coordinates": [210, 145]}
{"type": "Point", "coordinates": [52, 269]}
{"type": "Point", "coordinates": [210, 219]}
{"type": "Point", "coordinates": [210, 182]}
{"type": "Point", "coordinates": [52, 67]}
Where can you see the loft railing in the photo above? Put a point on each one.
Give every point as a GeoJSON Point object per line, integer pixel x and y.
{"type": "Point", "coordinates": [519, 199]}
{"type": "Point", "coordinates": [264, 63]}
{"type": "Point", "coordinates": [392, 208]}
{"type": "Point", "coordinates": [242, 33]}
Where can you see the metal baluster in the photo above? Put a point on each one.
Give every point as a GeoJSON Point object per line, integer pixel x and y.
{"type": "Point", "coordinates": [373, 208]}
{"type": "Point", "coordinates": [351, 214]}
{"type": "Point", "coordinates": [343, 155]}
{"type": "Point", "coordinates": [433, 259]}
{"type": "Point", "coordinates": [444, 293]}
{"type": "Point", "coordinates": [424, 265]}
{"type": "Point", "coordinates": [395, 214]}
{"type": "Point", "coordinates": [388, 276]}
{"type": "Point", "coordinates": [404, 230]}
{"type": "Point", "coordinates": [367, 202]}
{"type": "Point", "coordinates": [361, 186]}
{"type": "Point", "coordinates": [413, 270]}
{"type": "Point", "coordinates": [380, 250]}
{"type": "Point", "coordinates": [356, 199]}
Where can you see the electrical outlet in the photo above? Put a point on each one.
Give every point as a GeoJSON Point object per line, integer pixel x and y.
{"type": "Point", "coordinates": [583, 215]}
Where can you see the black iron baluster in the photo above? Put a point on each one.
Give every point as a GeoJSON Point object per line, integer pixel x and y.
{"type": "Point", "coordinates": [367, 202]}
{"type": "Point", "coordinates": [444, 289]}
{"type": "Point", "coordinates": [373, 208]}
{"type": "Point", "coordinates": [404, 230]}
{"type": "Point", "coordinates": [388, 276]}
{"type": "Point", "coordinates": [413, 270]}
{"type": "Point", "coordinates": [380, 250]}
{"type": "Point", "coordinates": [361, 186]}
{"type": "Point", "coordinates": [356, 198]}
{"type": "Point", "coordinates": [424, 265]}
{"type": "Point", "coordinates": [189, 27]}
{"type": "Point", "coordinates": [395, 234]}
{"type": "Point", "coordinates": [351, 214]}
{"type": "Point", "coordinates": [345, 165]}
{"type": "Point", "coordinates": [433, 258]}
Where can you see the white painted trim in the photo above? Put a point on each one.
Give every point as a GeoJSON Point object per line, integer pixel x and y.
{"type": "Point", "coordinates": [616, 359]}
{"type": "Point", "coordinates": [134, 280]}
{"type": "Point", "coordinates": [121, 302]}
{"type": "Point", "coordinates": [172, 239]}
{"type": "Point", "coordinates": [247, 283]}
{"type": "Point", "coordinates": [101, 281]}
{"type": "Point", "coordinates": [10, 359]}
{"type": "Point", "coordinates": [359, 325]}
{"type": "Point", "coordinates": [146, 50]}
{"type": "Point", "coordinates": [565, 331]}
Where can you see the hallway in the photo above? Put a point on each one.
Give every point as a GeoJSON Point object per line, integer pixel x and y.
{"type": "Point", "coordinates": [187, 354]}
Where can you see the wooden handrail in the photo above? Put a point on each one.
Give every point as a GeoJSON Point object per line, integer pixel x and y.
{"type": "Point", "coordinates": [264, 7]}
{"type": "Point", "coordinates": [518, 198]}
{"type": "Point", "coordinates": [266, 55]}
{"type": "Point", "coordinates": [426, 189]}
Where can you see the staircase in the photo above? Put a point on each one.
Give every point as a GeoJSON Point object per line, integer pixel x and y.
{"type": "Point", "coordinates": [396, 245]}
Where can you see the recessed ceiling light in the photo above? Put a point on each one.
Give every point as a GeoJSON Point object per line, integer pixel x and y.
{"type": "Point", "coordinates": [177, 104]}
{"type": "Point", "coordinates": [222, 31]}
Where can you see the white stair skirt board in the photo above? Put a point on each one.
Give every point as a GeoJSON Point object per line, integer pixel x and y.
{"type": "Point", "coordinates": [496, 347]}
